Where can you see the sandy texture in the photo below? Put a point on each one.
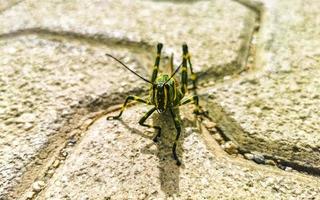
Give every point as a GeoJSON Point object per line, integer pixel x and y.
{"type": "Point", "coordinates": [118, 160]}
{"type": "Point", "coordinates": [224, 37]}
{"type": "Point", "coordinates": [55, 81]}
{"type": "Point", "coordinates": [275, 111]}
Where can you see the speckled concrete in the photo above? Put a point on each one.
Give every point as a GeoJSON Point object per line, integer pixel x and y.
{"type": "Point", "coordinates": [54, 70]}
{"type": "Point", "coordinates": [275, 111]}
{"type": "Point", "coordinates": [7, 4]}
{"type": "Point", "coordinates": [118, 160]}
{"type": "Point", "coordinates": [47, 81]}
{"type": "Point", "coordinates": [224, 37]}
{"type": "Point", "coordinates": [54, 75]}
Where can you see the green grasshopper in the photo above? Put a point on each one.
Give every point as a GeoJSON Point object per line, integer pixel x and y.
{"type": "Point", "coordinates": [165, 94]}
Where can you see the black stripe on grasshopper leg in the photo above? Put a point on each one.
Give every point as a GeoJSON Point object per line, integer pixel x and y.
{"type": "Point", "coordinates": [144, 118]}
{"type": "Point", "coordinates": [157, 62]}
{"type": "Point", "coordinates": [193, 76]}
{"type": "Point", "coordinates": [177, 124]}
{"type": "Point", "coordinates": [130, 97]}
{"type": "Point", "coordinates": [187, 59]}
{"type": "Point", "coordinates": [194, 99]}
{"type": "Point", "coordinates": [184, 73]}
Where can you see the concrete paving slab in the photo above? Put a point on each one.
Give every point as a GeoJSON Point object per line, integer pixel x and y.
{"type": "Point", "coordinates": [48, 84]}
{"type": "Point", "coordinates": [118, 160]}
{"type": "Point", "coordinates": [54, 71]}
{"type": "Point", "coordinates": [225, 38]}
{"type": "Point", "coordinates": [52, 53]}
{"type": "Point", "coordinates": [274, 110]}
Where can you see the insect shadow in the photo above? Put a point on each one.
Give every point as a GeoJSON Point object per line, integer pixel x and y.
{"type": "Point", "coordinates": [169, 170]}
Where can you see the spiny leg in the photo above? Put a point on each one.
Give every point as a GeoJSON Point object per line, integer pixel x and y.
{"type": "Point", "coordinates": [177, 124]}
{"type": "Point", "coordinates": [157, 62]}
{"type": "Point", "coordinates": [144, 118]}
{"type": "Point", "coordinates": [130, 97]}
{"type": "Point", "coordinates": [186, 58]}
{"type": "Point", "coordinates": [194, 99]}
{"type": "Point", "coordinates": [184, 73]}
{"type": "Point", "coordinates": [171, 64]}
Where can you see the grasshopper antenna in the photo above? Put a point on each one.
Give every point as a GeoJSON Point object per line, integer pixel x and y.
{"type": "Point", "coordinates": [174, 73]}
{"type": "Point", "coordinates": [128, 68]}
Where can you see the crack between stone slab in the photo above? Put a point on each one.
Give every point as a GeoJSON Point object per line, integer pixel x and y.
{"type": "Point", "coordinates": [258, 8]}
{"type": "Point", "coordinates": [250, 62]}
{"type": "Point", "coordinates": [254, 5]}
{"type": "Point", "coordinates": [238, 158]}
{"type": "Point", "coordinates": [226, 125]}
{"type": "Point", "coordinates": [57, 160]}
{"type": "Point", "coordinates": [56, 157]}
{"type": "Point", "coordinates": [53, 155]}
{"type": "Point", "coordinates": [95, 38]}
{"type": "Point", "coordinates": [246, 61]}
{"type": "Point", "coordinates": [51, 152]}
{"type": "Point", "coordinates": [119, 43]}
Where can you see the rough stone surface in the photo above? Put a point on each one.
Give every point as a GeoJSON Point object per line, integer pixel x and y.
{"type": "Point", "coordinates": [224, 37]}
{"type": "Point", "coordinates": [275, 109]}
{"type": "Point", "coordinates": [45, 82]}
{"type": "Point", "coordinates": [6, 4]}
{"type": "Point", "coordinates": [53, 68]}
{"type": "Point", "coordinates": [55, 77]}
{"type": "Point", "coordinates": [118, 160]}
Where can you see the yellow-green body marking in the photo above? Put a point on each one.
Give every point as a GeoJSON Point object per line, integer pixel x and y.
{"type": "Point", "coordinates": [166, 94]}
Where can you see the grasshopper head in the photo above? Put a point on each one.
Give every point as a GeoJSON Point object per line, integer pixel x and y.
{"type": "Point", "coordinates": [161, 97]}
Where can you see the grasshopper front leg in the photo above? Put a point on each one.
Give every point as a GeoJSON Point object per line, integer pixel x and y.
{"type": "Point", "coordinates": [177, 124]}
{"type": "Point", "coordinates": [144, 118]}
{"type": "Point", "coordinates": [129, 98]}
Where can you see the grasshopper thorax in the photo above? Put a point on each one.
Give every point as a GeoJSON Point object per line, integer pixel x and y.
{"type": "Point", "coordinates": [160, 95]}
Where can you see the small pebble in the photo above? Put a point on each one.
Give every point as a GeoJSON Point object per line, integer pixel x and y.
{"type": "Point", "coordinates": [30, 195]}
{"type": "Point", "coordinates": [255, 157]}
{"type": "Point", "coordinates": [72, 141]}
{"type": "Point", "coordinates": [38, 185]}
{"type": "Point", "coordinates": [209, 125]}
{"type": "Point", "coordinates": [248, 156]}
{"type": "Point", "coordinates": [64, 154]}
{"type": "Point", "coordinates": [288, 169]}
{"type": "Point", "coordinates": [50, 173]}
{"type": "Point", "coordinates": [270, 162]}
{"type": "Point", "coordinates": [218, 138]}
{"type": "Point", "coordinates": [28, 126]}
{"type": "Point", "coordinates": [142, 196]}
{"type": "Point", "coordinates": [56, 163]}
{"type": "Point", "coordinates": [226, 78]}
{"type": "Point", "coordinates": [230, 147]}
{"type": "Point", "coordinates": [282, 167]}
{"type": "Point", "coordinates": [259, 159]}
